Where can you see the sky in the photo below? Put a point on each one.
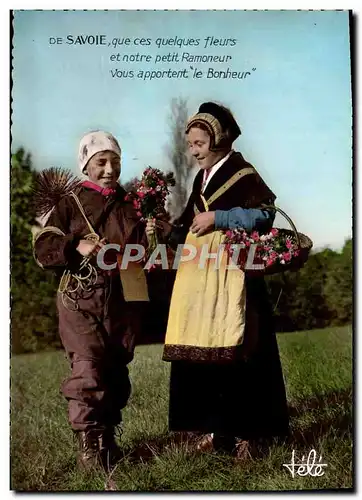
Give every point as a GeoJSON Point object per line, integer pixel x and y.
{"type": "Point", "coordinates": [294, 106]}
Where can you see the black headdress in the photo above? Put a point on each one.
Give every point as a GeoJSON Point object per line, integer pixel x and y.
{"type": "Point", "coordinates": [219, 122]}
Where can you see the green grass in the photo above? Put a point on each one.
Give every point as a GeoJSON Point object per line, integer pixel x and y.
{"type": "Point", "coordinates": [317, 367]}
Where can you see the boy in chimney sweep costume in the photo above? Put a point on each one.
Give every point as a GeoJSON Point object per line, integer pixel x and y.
{"type": "Point", "coordinates": [97, 323]}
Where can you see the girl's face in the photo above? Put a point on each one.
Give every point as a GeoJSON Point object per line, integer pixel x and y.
{"type": "Point", "coordinates": [104, 168]}
{"type": "Point", "coordinates": [198, 141]}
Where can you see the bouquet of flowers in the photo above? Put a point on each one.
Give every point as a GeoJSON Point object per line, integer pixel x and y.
{"type": "Point", "coordinates": [149, 196]}
{"type": "Point", "coordinates": [276, 250]}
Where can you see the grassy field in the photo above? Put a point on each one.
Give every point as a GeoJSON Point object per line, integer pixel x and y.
{"type": "Point", "coordinates": [318, 372]}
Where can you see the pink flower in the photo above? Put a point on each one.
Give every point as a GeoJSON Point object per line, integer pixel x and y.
{"type": "Point", "coordinates": [270, 261]}
{"type": "Point", "coordinates": [287, 256]}
{"type": "Point", "coordinates": [288, 244]}
{"type": "Point", "coordinates": [255, 236]}
{"type": "Point", "coordinates": [274, 231]}
{"type": "Point", "coordinates": [141, 194]}
{"type": "Point", "coordinates": [139, 214]}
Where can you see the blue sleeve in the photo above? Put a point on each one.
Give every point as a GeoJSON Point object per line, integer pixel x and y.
{"type": "Point", "coordinates": [247, 218]}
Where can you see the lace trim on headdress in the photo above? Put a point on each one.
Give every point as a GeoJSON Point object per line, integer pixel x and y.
{"type": "Point", "coordinates": [213, 125]}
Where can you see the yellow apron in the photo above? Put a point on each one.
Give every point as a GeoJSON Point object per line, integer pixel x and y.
{"type": "Point", "coordinates": [208, 304]}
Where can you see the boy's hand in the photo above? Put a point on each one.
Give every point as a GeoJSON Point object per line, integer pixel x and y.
{"type": "Point", "coordinates": [150, 227]}
{"type": "Point", "coordinates": [89, 248]}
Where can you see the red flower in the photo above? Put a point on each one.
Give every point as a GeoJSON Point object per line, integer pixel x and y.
{"type": "Point", "coordinates": [287, 256]}
{"type": "Point", "coordinates": [255, 236]}
{"type": "Point", "coordinates": [151, 191]}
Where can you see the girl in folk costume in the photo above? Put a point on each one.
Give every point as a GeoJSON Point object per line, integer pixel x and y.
{"type": "Point", "coordinates": [226, 378]}
{"type": "Point", "coordinates": [98, 322]}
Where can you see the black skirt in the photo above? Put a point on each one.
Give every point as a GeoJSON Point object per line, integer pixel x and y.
{"type": "Point", "coordinates": [245, 399]}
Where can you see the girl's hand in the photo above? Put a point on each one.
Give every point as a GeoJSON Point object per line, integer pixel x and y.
{"type": "Point", "coordinates": [203, 223]}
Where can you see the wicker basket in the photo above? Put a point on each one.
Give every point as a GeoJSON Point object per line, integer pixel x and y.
{"type": "Point", "coordinates": [304, 243]}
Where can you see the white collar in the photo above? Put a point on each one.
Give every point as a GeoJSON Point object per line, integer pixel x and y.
{"type": "Point", "coordinates": [214, 169]}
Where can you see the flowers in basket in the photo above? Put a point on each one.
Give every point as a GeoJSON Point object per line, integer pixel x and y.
{"type": "Point", "coordinates": [273, 250]}
{"type": "Point", "coordinates": [149, 196]}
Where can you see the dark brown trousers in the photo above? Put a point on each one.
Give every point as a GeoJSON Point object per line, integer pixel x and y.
{"type": "Point", "coordinates": [99, 340]}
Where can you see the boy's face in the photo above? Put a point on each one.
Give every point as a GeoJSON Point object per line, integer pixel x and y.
{"type": "Point", "coordinates": [104, 169]}
{"type": "Point", "coordinates": [198, 141]}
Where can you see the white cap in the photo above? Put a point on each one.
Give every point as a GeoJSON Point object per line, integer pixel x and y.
{"type": "Point", "coordinates": [93, 143]}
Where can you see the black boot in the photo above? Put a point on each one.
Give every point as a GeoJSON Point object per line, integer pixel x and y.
{"type": "Point", "coordinates": [110, 452]}
{"type": "Point", "coordinates": [89, 455]}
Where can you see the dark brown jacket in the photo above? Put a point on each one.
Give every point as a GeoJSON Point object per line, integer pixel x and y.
{"type": "Point", "coordinates": [121, 226]}
{"type": "Point", "coordinates": [101, 310]}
